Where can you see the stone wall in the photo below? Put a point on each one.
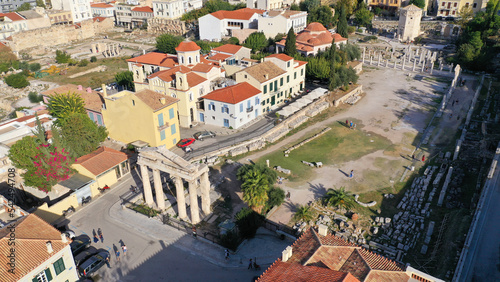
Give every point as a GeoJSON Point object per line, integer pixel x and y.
{"type": "Point", "coordinates": [393, 25]}
{"type": "Point", "coordinates": [160, 26]}
{"type": "Point", "coordinates": [57, 34]}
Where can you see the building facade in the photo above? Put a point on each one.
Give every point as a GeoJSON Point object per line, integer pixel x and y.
{"type": "Point", "coordinates": [59, 16]}
{"type": "Point", "coordinates": [451, 8]}
{"type": "Point", "coordinates": [265, 4]}
{"type": "Point", "coordinates": [123, 14]}
{"type": "Point", "coordinates": [80, 9]}
{"type": "Point", "coordinates": [220, 24]}
{"type": "Point", "coordinates": [140, 16]}
{"type": "Point", "coordinates": [232, 106]}
{"type": "Point", "coordinates": [12, 5]}
{"type": "Point", "coordinates": [229, 54]}
{"type": "Point", "coordinates": [274, 22]}
{"type": "Point", "coordinates": [11, 23]}
{"type": "Point", "coordinates": [174, 9]}
{"type": "Point", "coordinates": [409, 23]}
{"type": "Point", "coordinates": [150, 115]}
{"type": "Point", "coordinates": [278, 77]}
{"type": "Point", "coordinates": [102, 10]}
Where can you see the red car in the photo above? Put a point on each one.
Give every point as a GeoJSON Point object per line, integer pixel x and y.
{"type": "Point", "coordinates": [185, 142]}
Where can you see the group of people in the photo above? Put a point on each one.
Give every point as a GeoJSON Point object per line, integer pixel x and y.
{"type": "Point", "coordinates": [350, 124]}
{"type": "Point", "coordinates": [99, 236]}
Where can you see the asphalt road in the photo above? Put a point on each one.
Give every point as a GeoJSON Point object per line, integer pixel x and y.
{"type": "Point", "coordinates": [147, 259]}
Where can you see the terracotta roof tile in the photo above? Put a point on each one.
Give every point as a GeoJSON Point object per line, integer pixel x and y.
{"type": "Point", "coordinates": [284, 271]}
{"type": "Point", "coordinates": [233, 94]}
{"type": "Point", "coordinates": [32, 234]}
{"type": "Point", "coordinates": [378, 262]}
{"type": "Point", "coordinates": [356, 265]}
{"type": "Point", "coordinates": [156, 59]}
{"type": "Point", "coordinates": [315, 26]}
{"type": "Point", "coordinates": [99, 19]}
{"type": "Point", "coordinates": [193, 79]}
{"type": "Point", "coordinates": [304, 247]}
{"type": "Point", "coordinates": [144, 9]}
{"type": "Point", "coordinates": [228, 48]}
{"type": "Point", "coordinates": [100, 5]}
{"type": "Point", "coordinates": [186, 46]}
{"type": "Point", "coordinates": [169, 75]}
{"type": "Point", "coordinates": [241, 14]}
{"type": "Point", "coordinates": [377, 275]}
{"type": "Point", "coordinates": [13, 16]}
{"type": "Point", "coordinates": [101, 160]}
{"type": "Point", "coordinates": [153, 99]}
{"type": "Point", "coordinates": [301, 63]}
{"type": "Point", "coordinates": [202, 68]}
{"type": "Point", "coordinates": [93, 101]}
{"type": "Point", "coordinates": [281, 56]}
{"type": "Point", "coordinates": [330, 256]}
{"type": "Point", "coordinates": [260, 71]}
{"type": "Point", "coordinates": [219, 57]}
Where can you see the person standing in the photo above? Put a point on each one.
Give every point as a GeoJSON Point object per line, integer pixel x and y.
{"type": "Point", "coordinates": [347, 122]}
{"type": "Point", "coordinates": [100, 235]}
{"type": "Point", "coordinates": [351, 174]}
{"type": "Point", "coordinates": [250, 265]}
{"type": "Point", "coordinates": [117, 255]}
{"type": "Point", "coordinates": [124, 249]}
{"type": "Point", "coordinates": [423, 158]}
{"type": "Point", "coordinates": [96, 239]}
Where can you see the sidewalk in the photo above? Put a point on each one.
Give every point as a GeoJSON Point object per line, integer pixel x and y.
{"type": "Point", "coordinates": [265, 246]}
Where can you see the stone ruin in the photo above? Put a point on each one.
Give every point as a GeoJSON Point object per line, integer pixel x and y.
{"type": "Point", "coordinates": [106, 49]}
{"type": "Point", "coordinates": [160, 26]}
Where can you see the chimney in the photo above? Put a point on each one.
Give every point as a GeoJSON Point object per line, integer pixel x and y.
{"type": "Point", "coordinates": [322, 230]}
{"type": "Point", "coordinates": [49, 247]}
{"type": "Point", "coordinates": [266, 76]}
{"type": "Point", "coordinates": [289, 250]}
{"type": "Point", "coordinates": [80, 87]}
{"type": "Point", "coordinates": [104, 92]}
{"type": "Point", "coordinates": [162, 101]}
{"type": "Point", "coordinates": [284, 255]}
{"type": "Point", "coordinates": [64, 238]}
{"type": "Point", "coordinates": [89, 90]}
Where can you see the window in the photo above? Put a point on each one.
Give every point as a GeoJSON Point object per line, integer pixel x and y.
{"type": "Point", "coordinates": [190, 61]}
{"type": "Point", "coordinates": [281, 81]}
{"type": "Point", "coordinates": [99, 120]}
{"type": "Point", "coordinates": [295, 75]}
{"type": "Point", "coordinates": [288, 64]}
{"type": "Point", "coordinates": [171, 113]}
{"type": "Point", "coordinates": [173, 129]}
{"type": "Point", "coordinates": [43, 276]}
{"type": "Point", "coordinates": [474, 5]}
{"type": "Point", "coordinates": [257, 101]}
{"type": "Point", "coordinates": [241, 107]}
{"type": "Point", "coordinates": [133, 103]}
{"type": "Point", "coordinates": [287, 78]}
{"type": "Point", "coordinates": [301, 72]}
{"type": "Point", "coordinates": [265, 89]}
{"type": "Point", "coordinates": [249, 104]}
{"type": "Point", "coordinates": [59, 266]}
{"type": "Point", "coordinates": [443, 4]}
{"type": "Point", "coordinates": [190, 97]}
{"type": "Point", "coordinates": [175, 141]}
{"type": "Point", "coordinates": [162, 135]}
{"type": "Point", "coordinates": [455, 5]}
{"type": "Point", "coordinates": [160, 120]}
{"type": "Point", "coordinates": [91, 116]}
{"type": "Point", "coordinates": [270, 87]}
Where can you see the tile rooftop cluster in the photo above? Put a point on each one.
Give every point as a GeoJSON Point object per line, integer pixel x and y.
{"type": "Point", "coordinates": [241, 14]}
{"type": "Point", "coordinates": [101, 160]}
{"type": "Point", "coordinates": [233, 94]}
{"type": "Point", "coordinates": [315, 34]}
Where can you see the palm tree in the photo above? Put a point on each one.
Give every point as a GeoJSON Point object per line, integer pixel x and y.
{"type": "Point", "coordinates": [339, 198]}
{"type": "Point", "coordinates": [304, 213]}
{"type": "Point", "coordinates": [65, 104]}
{"type": "Point", "coordinates": [255, 188]}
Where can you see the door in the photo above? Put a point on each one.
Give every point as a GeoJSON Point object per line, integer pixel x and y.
{"type": "Point", "coordinates": [202, 117]}
{"type": "Point", "coordinates": [226, 123]}
{"type": "Point", "coordinates": [273, 100]}
{"type": "Point", "coordinates": [191, 114]}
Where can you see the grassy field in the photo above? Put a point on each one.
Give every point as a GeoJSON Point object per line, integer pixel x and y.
{"type": "Point", "coordinates": [339, 145]}
{"type": "Point", "coordinates": [94, 79]}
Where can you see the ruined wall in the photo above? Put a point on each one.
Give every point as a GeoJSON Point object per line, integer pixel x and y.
{"type": "Point", "coordinates": [393, 25]}
{"type": "Point", "coordinates": [160, 26]}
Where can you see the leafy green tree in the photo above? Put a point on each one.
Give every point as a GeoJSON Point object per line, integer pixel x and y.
{"type": "Point", "coordinates": [34, 67]}
{"type": "Point", "coordinates": [349, 5]}
{"type": "Point", "coordinates": [248, 221]}
{"type": "Point", "coordinates": [34, 97]}
{"type": "Point", "coordinates": [464, 16]}
{"type": "Point", "coordinates": [339, 198]}
{"type": "Point", "coordinates": [351, 50]}
{"type": "Point", "coordinates": [304, 213]}
{"type": "Point", "coordinates": [83, 63]}
{"type": "Point", "coordinates": [317, 68]}
{"type": "Point", "coordinates": [81, 134]}
{"type": "Point", "coordinates": [40, 3]}
{"type": "Point", "coordinates": [290, 48]}
{"type": "Point", "coordinates": [466, 53]}
{"type": "Point", "coordinates": [62, 57]}
{"type": "Point", "coordinates": [256, 41]}
{"type": "Point", "coordinates": [23, 152]}
{"type": "Point", "coordinates": [24, 7]}
{"type": "Point", "coordinates": [276, 197]}
{"type": "Point", "coordinates": [342, 25]}
{"type": "Point", "coordinates": [234, 40]}
{"type": "Point", "coordinates": [16, 80]}
{"type": "Point", "coordinates": [346, 76]}
{"type": "Point", "coordinates": [166, 43]}
{"type": "Point", "coordinates": [242, 173]}
{"type": "Point", "coordinates": [334, 79]}
{"type": "Point", "coordinates": [294, 7]}
{"type": "Point", "coordinates": [309, 5]}
{"type": "Point", "coordinates": [363, 16]}
{"type": "Point", "coordinates": [62, 105]}
{"type": "Point", "coordinates": [93, 59]}
{"type": "Point", "coordinates": [322, 14]}
{"type": "Point", "coordinates": [418, 3]}
{"type": "Point", "coordinates": [125, 79]}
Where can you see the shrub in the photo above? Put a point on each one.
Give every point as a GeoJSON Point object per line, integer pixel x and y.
{"type": "Point", "coordinates": [34, 97]}
{"type": "Point", "coordinates": [248, 221]}
{"type": "Point", "coordinates": [17, 80]}
{"type": "Point", "coordinates": [276, 197]}
{"type": "Point", "coordinates": [62, 57]}
{"type": "Point", "coordinates": [93, 59]}
{"type": "Point", "coordinates": [351, 29]}
{"type": "Point", "coordinates": [230, 240]}
{"type": "Point", "coordinates": [368, 38]}
{"type": "Point", "coordinates": [72, 62]}
{"type": "Point", "coordinates": [83, 63]}
{"type": "Point", "coordinates": [34, 67]}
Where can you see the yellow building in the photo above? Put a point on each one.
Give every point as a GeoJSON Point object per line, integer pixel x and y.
{"type": "Point", "coordinates": [146, 116]}
{"type": "Point", "coordinates": [40, 253]}
{"type": "Point", "coordinates": [105, 165]}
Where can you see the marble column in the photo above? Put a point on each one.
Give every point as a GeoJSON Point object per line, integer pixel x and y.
{"type": "Point", "coordinates": [451, 67]}
{"type": "Point", "coordinates": [440, 65]}
{"type": "Point", "coordinates": [378, 61]}
{"type": "Point", "coordinates": [423, 66]}
{"type": "Point", "coordinates": [146, 185]}
{"type": "Point", "coordinates": [386, 63]}
{"type": "Point", "coordinates": [395, 63]}
{"type": "Point", "coordinates": [160, 196]}
{"type": "Point", "coordinates": [193, 199]}
{"type": "Point", "coordinates": [404, 62]}
{"type": "Point", "coordinates": [371, 60]}
{"type": "Point", "coordinates": [416, 51]}
{"type": "Point", "coordinates": [181, 201]}
{"type": "Point", "coordinates": [432, 65]}
{"type": "Point", "coordinates": [205, 193]}
{"type": "Point", "coordinates": [414, 64]}
{"type": "Point", "coordinates": [364, 50]}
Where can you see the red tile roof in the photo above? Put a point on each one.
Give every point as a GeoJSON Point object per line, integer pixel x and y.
{"type": "Point", "coordinates": [153, 99]}
{"type": "Point", "coordinates": [187, 46]}
{"type": "Point", "coordinates": [202, 68]}
{"type": "Point", "coordinates": [284, 271]}
{"type": "Point", "coordinates": [93, 100]}
{"type": "Point", "coordinates": [101, 160]}
{"type": "Point", "coordinates": [145, 9]}
{"type": "Point", "coordinates": [156, 59]}
{"type": "Point", "coordinates": [32, 234]}
{"type": "Point", "coordinates": [283, 57]}
{"type": "Point", "coordinates": [228, 48]}
{"type": "Point", "coordinates": [315, 26]}
{"type": "Point", "coordinates": [301, 63]}
{"type": "Point", "coordinates": [13, 16]}
{"type": "Point", "coordinates": [194, 79]}
{"type": "Point", "coordinates": [169, 75]}
{"type": "Point", "coordinates": [99, 19]}
{"type": "Point", "coordinates": [233, 94]}
{"type": "Point", "coordinates": [241, 14]}
{"type": "Point", "coordinates": [100, 5]}
{"type": "Point", "coordinates": [219, 57]}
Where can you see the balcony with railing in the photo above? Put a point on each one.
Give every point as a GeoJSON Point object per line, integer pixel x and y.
{"type": "Point", "coordinates": [162, 127]}
{"type": "Point", "coordinates": [250, 109]}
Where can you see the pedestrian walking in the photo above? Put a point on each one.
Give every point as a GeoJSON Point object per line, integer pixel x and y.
{"type": "Point", "coordinates": [351, 125]}
{"type": "Point", "coordinates": [413, 156]}
{"type": "Point", "coordinates": [351, 174]}
{"type": "Point", "coordinates": [288, 195]}
{"type": "Point", "coordinates": [194, 231]}
{"type": "Point", "coordinates": [423, 158]}
{"type": "Point", "coordinates": [354, 126]}
{"type": "Point", "coordinates": [226, 254]}
{"type": "Point", "coordinates": [124, 249]}
{"type": "Point", "coordinates": [96, 239]}
{"type": "Point", "coordinates": [117, 255]}
{"type": "Point", "coordinates": [250, 265]}
{"type": "Point", "coordinates": [100, 235]}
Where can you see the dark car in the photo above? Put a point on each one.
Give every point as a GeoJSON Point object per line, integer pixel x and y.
{"type": "Point", "coordinates": [185, 142]}
{"type": "Point", "coordinates": [449, 19]}
{"type": "Point", "coordinates": [84, 255]}
{"type": "Point", "coordinates": [204, 134]}
{"type": "Point", "coordinates": [93, 264]}
{"type": "Point", "coordinates": [79, 244]}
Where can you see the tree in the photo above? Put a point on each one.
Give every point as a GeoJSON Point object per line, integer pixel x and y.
{"type": "Point", "coordinates": [248, 221]}
{"type": "Point", "coordinates": [234, 40]}
{"type": "Point", "coordinates": [351, 50]}
{"type": "Point", "coordinates": [418, 3]}
{"type": "Point", "coordinates": [24, 7]}
{"type": "Point", "coordinates": [317, 68]}
{"type": "Point", "coordinates": [466, 53]}
{"type": "Point", "coordinates": [346, 76]}
{"type": "Point", "coordinates": [34, 67]}
{"type": "Point", "coordinates": [339, 198]}
{"type": "Point", "coordinates": [93, 59]}
{"type": "Point", "coordinates": [22, 153]}
{"type": "Point", "coordinates": [290, 48]}
{"type": "Point", "coordinates": [40, 3]}
{"type": "Point", "coordinates": [276, 197]}
{"type": "Point", "coordinates": [294, 7]}
{"type": "Point", "coordinates": [349, 5]}
{"type": "Point", "coordinates": [322, 14]}
{"type": "Point", "coordinates": [17, 80]}
{"type": "Point", "coordinates": [34, 97]}
{"type": "Point", "coordinates": [304, 213]}
{"type": "Point", "coordinates": [83, 63]}
{"type": "Point", "coordinates": [256, 41]}
{"type": "Point", "coordinates": [81, 134]}
{"type": "Point", "coordinates": [342, 25]}
{"type": "Point", "coordinates": [242, 173]}
{"type": "Point", "coordinates": [334, 80]}
{"type": "Point", "coordinates": [62, 105]}
{"type": "Point", "coordinates": [166, 43]}
{"type": "Point", "coordinates": [257, 180]}
{"type": "Point", "coordinates": [464, 16]}
{"type": "Point", "coordinates": [309, 5]}
{"type": "Point", "coordinates": [363, 16]}
{"type": "Point", "coordinates": [62, 57]}
{"type": "Point", "coordinates": [125, 79]}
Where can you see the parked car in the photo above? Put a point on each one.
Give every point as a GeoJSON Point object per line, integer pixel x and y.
{"type": "Point", "coordinates": [427, 19]}
{"type": "Point", "coordinates": [204, 134]}
{"type": "Point", "coordinates": [93, 264]}
{"type": "Point", "coordinates": [79, 244]}
{"type": "Point", "coordinates": [185, 142]}
{"type": "Point", "coordinates": [84, 255]}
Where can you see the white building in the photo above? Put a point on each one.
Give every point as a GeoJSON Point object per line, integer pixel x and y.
{"type": "Point", "coordinates": [273, 22]}
{"type": "Point", "coordinates": [174, 9]}
{"type": "Point", "coordinates": [220, 24]}
{"type": "Point", "coordinates": [229, 54]}
{"type": "Point", "coordinates": [102, 10]}
{"type": "Point", "coordinates": [232, 106]}
{"type": "Point", "coordinates": [15, 129]}
{"type": "Point", "coordinates": [80, 9]}
{"type": "Point", "coordinates": [265, 4]}
{"type": "Point", "coordinates": [12, 22]}
{"type": "Point", "coordinates": [140, 16]}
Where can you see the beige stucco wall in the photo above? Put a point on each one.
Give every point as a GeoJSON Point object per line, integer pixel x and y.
{"type": "Point", "coordinates": [54, 212]}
